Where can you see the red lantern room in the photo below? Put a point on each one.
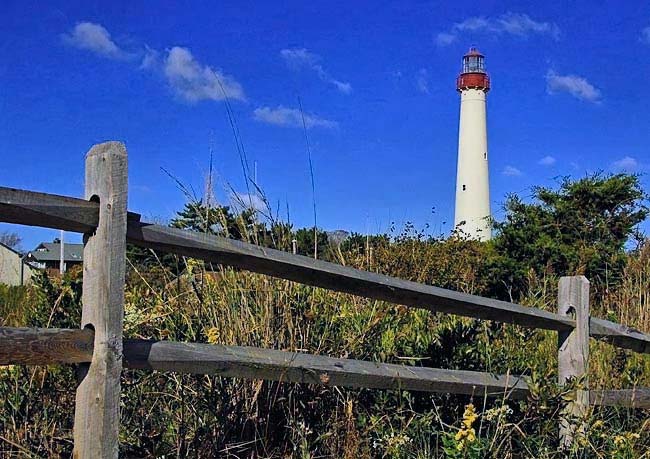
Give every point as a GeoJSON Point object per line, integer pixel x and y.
{"type": "Point", "coordinates": [473, 75]}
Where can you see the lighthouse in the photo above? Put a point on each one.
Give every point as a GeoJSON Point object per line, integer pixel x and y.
{"type": "Point", "coordinates": [472, 214]}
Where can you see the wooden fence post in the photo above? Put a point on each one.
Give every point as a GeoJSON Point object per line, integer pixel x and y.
{"type": "Point", "coordinates": [97, 414]}
{"type": "Point", "coordinates": [573, 350]}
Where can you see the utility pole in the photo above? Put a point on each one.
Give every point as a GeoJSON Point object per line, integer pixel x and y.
{"type": "Point", "coordinates": [62, 255]}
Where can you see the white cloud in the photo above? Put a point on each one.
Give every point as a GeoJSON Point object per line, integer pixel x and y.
{"type": "Point", "coordinates": [445, 38]}
{"type": "Point", "coordinates": [188, 78]}
{"type": "Point", "coordinates": [344, 87]}
{"type": "Point", "coordinates": [290, 117]}
{"type": "Point", "coordinates": [422, 81]}
{"type": "Point", "coordinates": [475, 24]}
{"type": "Point", "coordinates": [301, 58]}
{"type": "Point", "coordinates": [547, 161]}
{"type": "Point", "coordinates": [516, 24]}
{"type": "Point", "coordinates": [150, 59]}
{"type": "Point", "coordinates": [194, 81]}
{"type": "Point", "coordinates": [511, 171]}
{"type": "Point", "coordinates": [95, 38]}
{"type": "Point", "coordinates": [522, 25]}
{"type": "Point", "coordinates": [645, 36]}
{"type": "Point", "coordinates": [575, 85]}
{"type": "Point", "coordinates": [626, 164]}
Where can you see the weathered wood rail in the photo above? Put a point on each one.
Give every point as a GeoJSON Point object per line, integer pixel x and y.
{"type": "Point", "coordinates": [72, 214]}
{"type": "Point", "coordinates": [60, 346]}
{"type": "Point", "coordinates": [101, 352]}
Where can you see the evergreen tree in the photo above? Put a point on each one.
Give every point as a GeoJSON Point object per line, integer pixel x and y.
{"type": "Point", "coordinates": [305, 243]}
{"type": "Point", "coordinates": [580, 228]}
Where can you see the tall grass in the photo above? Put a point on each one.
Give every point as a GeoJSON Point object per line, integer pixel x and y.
{"type": "Point", "coordinates": [172, 415]}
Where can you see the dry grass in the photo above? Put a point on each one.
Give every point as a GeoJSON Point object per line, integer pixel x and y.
{"type": "Point", "coordinates": [168, 415]}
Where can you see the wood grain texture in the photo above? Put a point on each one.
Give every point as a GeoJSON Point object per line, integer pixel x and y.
{"type": "Point", "coordinates": [339, 278]}
{"type": "Point", "coordinates": [97, 414]}
{"type": "Point", "coordinates": [81, 215]}
{"type": "Point", "coordinates": [42, 346]}
{"type": "Point", "coordinates": [50, 211]}
{"type": "Point", "coordinates": [47, 210]}
{"type": "Point", "coordinates": [255, 363]}
{"type": "Point", "coordinates": [573, 350]}
{"type": "Point", "coordinates": [619, 335]}
{"type": "Point", "coordinates": [627, 398]}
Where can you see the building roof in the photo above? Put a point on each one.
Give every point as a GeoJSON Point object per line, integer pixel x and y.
{"type": "Point", "coordinates": [12, 249]}
{"type": "Point", "coordinates": [51, 251]}
{"type": "Point", "coordinates": [473, 52]}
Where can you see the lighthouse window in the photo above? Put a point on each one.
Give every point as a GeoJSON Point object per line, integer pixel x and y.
{"type": "Point", "coordinates": [464, 187]}
{"type": "Point", "coordinates": [485, 155]}
{"type": "Point", "coordinates": [473, 64]}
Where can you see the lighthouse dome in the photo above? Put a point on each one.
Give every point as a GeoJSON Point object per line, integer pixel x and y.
{"type": "Point", "coordinates": [473, 74]}
{"type": "Point", "coordinates": [473, 62]}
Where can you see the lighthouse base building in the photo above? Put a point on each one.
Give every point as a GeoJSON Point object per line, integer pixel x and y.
{"type": "Point", "coordinates": [472, 216]}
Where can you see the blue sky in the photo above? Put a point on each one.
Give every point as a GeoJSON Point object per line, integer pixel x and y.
{"type": "Point", "coordinates": [375, 80]}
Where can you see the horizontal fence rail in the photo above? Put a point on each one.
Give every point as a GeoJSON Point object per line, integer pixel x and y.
{"type": "Point", "coordinates": [50, 211]}
{"type": "Point", "coordinates": [45, 346]}
{"type": "Point", "coordinates": [70, 214]}
{"type": "Point", "coordinates": [39, 346]}
{"type": "Point", "coordinates": [336, 277]}
{"type": "Point", "coordinates": [100, 351]}
{"type": "Point", "coordinates": [626, 398]}
{"type": "Point", "coordinates": [33, 346]}
{"type": "Point", "coordinates": [619, 335]}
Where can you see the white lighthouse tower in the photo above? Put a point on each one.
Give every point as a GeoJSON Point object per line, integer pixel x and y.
{"type": "Point", "coordinates": [472, 177]}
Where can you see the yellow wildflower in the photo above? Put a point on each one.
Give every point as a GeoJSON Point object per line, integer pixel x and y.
{"type": "Point", "coordinates": [469, 416]}
{"type": "Point", "coordinates": [213, 335]}
{"type": "Point", "coordinates": [466, 434]}
{"type": "Point", "coordinates": [6, 369]}
{"type": "Point", "coordinates": [627, 437]}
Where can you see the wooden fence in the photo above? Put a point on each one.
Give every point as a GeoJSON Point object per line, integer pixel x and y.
{"type": "Point", "coordinates": [101, 352]}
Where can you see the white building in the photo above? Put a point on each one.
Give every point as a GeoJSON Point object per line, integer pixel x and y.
{"type": "Point", "coordinates": [47, 255]}
{"type": "Point", "coordinates": [13, 270]}
{"type": "Point", "coordinates": [472, 215]}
